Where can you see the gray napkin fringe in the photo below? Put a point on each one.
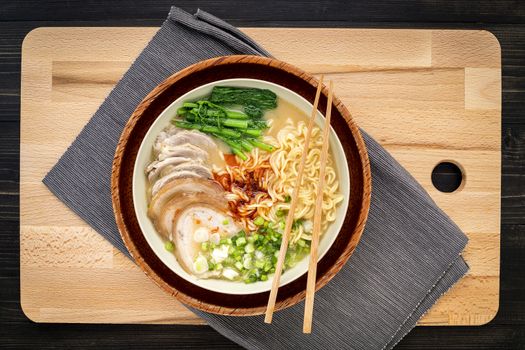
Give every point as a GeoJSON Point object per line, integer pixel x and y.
{"type": "Point", "coordinates": [409, 254]}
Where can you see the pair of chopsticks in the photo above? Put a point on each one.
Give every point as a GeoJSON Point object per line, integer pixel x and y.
{"type": "Point", "coordinates": [312, 267]}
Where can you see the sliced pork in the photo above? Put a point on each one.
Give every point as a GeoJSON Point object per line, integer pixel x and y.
{"type": "Point", "coordinates": [187, 211]}
{"type": "Point", "coordinates": [161, 168]}
{"type": "Point", "coordinates": [182, 193]}
{"type": "Point", "coordinates": [179, 154]}
{"type": "Point", "coordinates": [183, 137]}
{"type": "Point", "coordinates": [189, 169]}
{"type": "Point", "coordinates": [187, 150]}
{"type": "Point", "coordinates": [187, 206]}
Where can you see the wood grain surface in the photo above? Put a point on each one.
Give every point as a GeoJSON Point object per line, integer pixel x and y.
{"type": "Point", "coordinates": [427, 96]}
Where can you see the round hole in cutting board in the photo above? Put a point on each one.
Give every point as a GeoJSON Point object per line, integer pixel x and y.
{"type": "Point", "coordinates": [447, 177]}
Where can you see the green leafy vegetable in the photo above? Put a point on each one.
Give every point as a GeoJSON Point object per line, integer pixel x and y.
{"type": "Point", "coordinates": [261, 145]}
{"type": "Point", "coordinates": [253, 111]}
{"type": "Point", "coordinates": [249, 98]}
{"type": "Point", "coordinates": [241, 131]}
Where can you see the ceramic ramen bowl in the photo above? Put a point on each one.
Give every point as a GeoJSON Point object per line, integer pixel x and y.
{"type": "Point", "coordinates": [129, 184]}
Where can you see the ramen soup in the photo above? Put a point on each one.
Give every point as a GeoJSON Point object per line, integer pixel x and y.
{"type": "Point", "coordinates": [221, 178]}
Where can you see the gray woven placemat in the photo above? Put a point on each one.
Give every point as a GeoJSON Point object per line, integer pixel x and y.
{"type": "Point", "coordinates": [409, 254]}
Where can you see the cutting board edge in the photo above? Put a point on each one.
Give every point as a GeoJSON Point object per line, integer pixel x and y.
{"type": "Point", "coordinates": [28, 40]}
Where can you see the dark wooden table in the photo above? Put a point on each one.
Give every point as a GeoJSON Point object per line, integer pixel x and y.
{"type": "Point", "coordinates": [506, 19]}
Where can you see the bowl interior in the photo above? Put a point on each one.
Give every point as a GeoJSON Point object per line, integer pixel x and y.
{"type": "Point", "coordinates": [139, 185]}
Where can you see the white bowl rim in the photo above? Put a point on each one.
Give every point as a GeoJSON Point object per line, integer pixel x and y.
{"type": "Point", "coordinates": [155, 241]}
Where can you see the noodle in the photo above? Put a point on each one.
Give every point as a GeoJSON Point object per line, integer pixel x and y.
{"type": "Point", "coordinates": [285, 165]}
{"type": "Point", "coordinates": [260, 185]}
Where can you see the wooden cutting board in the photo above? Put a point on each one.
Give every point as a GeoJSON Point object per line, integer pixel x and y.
{"type": "Point", "coordinates": [425, 95]}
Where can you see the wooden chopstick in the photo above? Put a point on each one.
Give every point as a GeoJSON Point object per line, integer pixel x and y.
{"type": "Point", "coordinates": [312, 267]}
{"type": "Point", "coordinates": [293, 204]}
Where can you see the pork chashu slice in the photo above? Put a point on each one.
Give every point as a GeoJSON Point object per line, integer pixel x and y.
{"type": "Point", "coordinates": [182, 137]}
{"type": "Point", "coordinates": [186, 150]}
{"type": "Point", "coordinates": [189, 169]}
{"type": "Point", "coordinates": [179, 194]}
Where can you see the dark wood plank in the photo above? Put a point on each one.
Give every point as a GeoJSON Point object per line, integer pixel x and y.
{"type": "Point", "coordinates": [512, 282]}
{"type": "Point", "coordinates": [505, 19]}
{"type": "Point", "coordinates": [9, 169]}
{"type": "Point", "coordinates": [513, 178]}
{"type": "Point", "coordinates": [488, 11]}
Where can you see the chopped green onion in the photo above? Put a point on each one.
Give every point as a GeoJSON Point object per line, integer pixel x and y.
{"type": "Point", "coordinates": [251, 257]}
{"type": "Point", "coordinates": [249, 248]}
{"type": "Point", "coordinates": [250, 279]}
{"type": "Point", "coordinates": [240, 241]}
{"type": "Point", "coordinates": [169, 246]}
{"type": "Point", "coordinates": [259, 221]}
{"type": "Point", "coordinates": [247, 263]}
